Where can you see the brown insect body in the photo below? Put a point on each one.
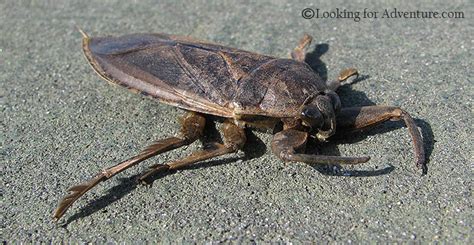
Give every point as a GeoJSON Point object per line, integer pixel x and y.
{"type": "Point", "coordinates": [203, 77]}
{"type": "Point", "coordinates": [242, 87]}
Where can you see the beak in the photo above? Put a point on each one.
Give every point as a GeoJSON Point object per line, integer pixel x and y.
{"type": "Point", "coordinates": [322, 135]}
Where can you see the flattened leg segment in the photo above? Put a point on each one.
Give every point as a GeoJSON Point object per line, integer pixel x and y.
{"type": "Point", "coordinates": [288, 142]}
{"type": "Point", "coordinates": [299, 52]}
{"type": "Point", "coordinates": [357, 118]}
{"type": "Point", "coordinates": [234, 139]}
{"type": "Point", "coordinates": [192, 128]}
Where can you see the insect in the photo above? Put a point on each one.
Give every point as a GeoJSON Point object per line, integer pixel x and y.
{"type": "Point", "coordinates": [244, 89]}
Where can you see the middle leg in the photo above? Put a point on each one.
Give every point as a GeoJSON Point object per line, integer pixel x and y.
{"type": "Point", "coordinates": [234, 140]}
{"type": "Point", "coordinates": [299, 53]}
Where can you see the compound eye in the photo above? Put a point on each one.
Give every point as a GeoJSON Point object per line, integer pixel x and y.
{"type": "Point", "coordinates": [310, 112]}
{"type": "Point", "coordinates": [312, 116]}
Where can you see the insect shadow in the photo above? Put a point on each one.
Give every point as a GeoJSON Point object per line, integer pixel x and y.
{"type": "Point", "coordinates": [351, 98]}
{"type": "Point", "coordinates": [255, 147]}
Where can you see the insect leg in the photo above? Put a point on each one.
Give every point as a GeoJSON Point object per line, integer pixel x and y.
{"type": "Point", "coordinates": [287, 143]}
{"type": "Point", "coordinates": [192, 126]}
{"type": "Point", "coordinates": [357, 118]}
{"type": "Point", "coordinates": [343, 76]}
{"type": "Point", "coordinates": [299, 52]}
{"type": "Point", "coordinates": [234, 139]}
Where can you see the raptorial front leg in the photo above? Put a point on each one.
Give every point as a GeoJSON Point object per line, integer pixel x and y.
{"type": "Point", "coordinates": [234, 139]}
{"type": "Point", "coordinates": [299, 53]}
{"type": "Point", "coordinates": [357, 118]}
{"type": "Point", "coordinates": [192, 127]}
{"type": "Point", "coordinates": [343, 76]}
{"type": "Point", "coordinates": [287, 143]}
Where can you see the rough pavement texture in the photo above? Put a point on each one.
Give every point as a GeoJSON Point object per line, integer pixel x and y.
{"type": "Point", "coordinates": [61, 124]}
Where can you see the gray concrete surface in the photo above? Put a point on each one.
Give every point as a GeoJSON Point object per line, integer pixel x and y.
{"type": "Point", "coordinates": [62, 124]}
